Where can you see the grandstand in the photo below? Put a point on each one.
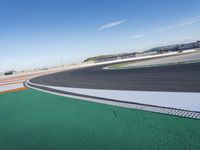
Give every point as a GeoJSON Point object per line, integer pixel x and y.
{"type": "Point", "coordinates": [153, 51]}
{"type": "Point", "coordinates": [177, 47]}
{"type": "Point", "coordinates": [10, 72]}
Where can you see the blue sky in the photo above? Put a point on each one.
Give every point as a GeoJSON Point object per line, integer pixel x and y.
{"type": "Point", "coordinates": [36, 33]}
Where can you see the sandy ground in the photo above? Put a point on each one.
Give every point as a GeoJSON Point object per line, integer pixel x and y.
{"type": "Point", "coordinates": [15, 82]}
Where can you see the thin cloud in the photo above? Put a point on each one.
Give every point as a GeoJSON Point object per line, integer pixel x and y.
{"type": "Point", "coordinates": [137, 36]}
{"type": "Point", "coordinates": [111, 25]}
{"type": "Point", "coordinates": [183, 23]}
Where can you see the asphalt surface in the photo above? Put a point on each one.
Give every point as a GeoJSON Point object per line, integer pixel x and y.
{"type": "Point", "coordinates": [173, 78]}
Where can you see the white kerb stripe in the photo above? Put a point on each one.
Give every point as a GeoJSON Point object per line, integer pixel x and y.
{"type": "Point", "coordinates": [179, 100]}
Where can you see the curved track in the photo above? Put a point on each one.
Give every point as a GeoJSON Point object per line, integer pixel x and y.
{"type": "Point", "coordinates": [174, 78]}
{"type": "Point", "coordinates": [172, 89]}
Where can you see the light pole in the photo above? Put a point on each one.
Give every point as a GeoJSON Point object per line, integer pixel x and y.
{"type": "Point", "coordinates": [61, 61]}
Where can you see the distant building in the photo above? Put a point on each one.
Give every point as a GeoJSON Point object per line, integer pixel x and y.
{"type": "Point", "coordinates": [177, 47]}
{"type": "Point", "coordinates": [11, 72]}
{"type": "Point", "coordinates": [153, 51]}
{"type": "Point", "coordinates": [104, 58]}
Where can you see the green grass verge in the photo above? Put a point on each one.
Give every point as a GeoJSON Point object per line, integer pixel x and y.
{"type": "Point", "coordinates": [33, 120]}
{"type": "Point", "coordinates": [123, 65]}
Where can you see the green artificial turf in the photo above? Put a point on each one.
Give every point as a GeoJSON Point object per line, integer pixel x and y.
{"type": "Point", "coordinates": [33, 120]}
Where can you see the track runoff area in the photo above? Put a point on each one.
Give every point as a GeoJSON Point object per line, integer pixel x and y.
{"type": "Point", "coordinates": [166, 84]}
{"type": "Point", "coordinates": [63, 111]}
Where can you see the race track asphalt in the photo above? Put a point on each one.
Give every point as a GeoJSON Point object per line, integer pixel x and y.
{"type": "Point", "coordinates": [172, 78]}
